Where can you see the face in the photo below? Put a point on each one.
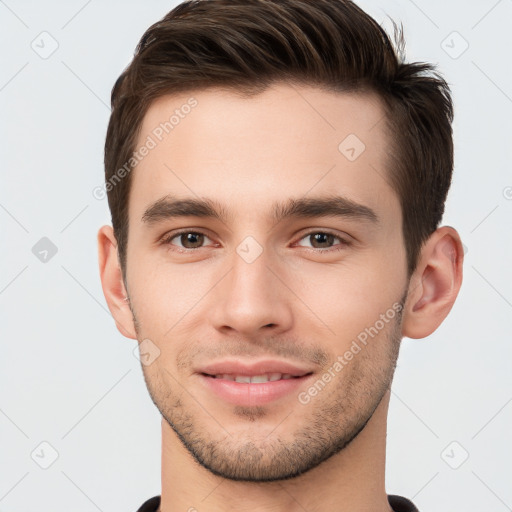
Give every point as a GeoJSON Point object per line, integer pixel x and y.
{"type": "Point", "coordinates": [263, 233]}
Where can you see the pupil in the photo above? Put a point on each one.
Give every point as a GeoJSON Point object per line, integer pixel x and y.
{"type": "Point", "coordinates": [192, 238]}
{"type": "Point", "coordinates": [323, 237]}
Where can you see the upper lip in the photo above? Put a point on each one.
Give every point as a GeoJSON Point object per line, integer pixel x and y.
{"type": "Point", "coordinates": [238, 367]}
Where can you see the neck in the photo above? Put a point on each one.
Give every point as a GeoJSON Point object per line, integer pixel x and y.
{"type": "Point", "coordinates": [352, 480]}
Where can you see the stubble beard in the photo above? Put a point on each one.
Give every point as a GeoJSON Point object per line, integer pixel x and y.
{"type": "Point", "coordinates": [336, 417]}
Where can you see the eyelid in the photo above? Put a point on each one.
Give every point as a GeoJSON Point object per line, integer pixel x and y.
{"type": "Point", "coordinates": [167, 237]}
{"type": "Point", "coordinates": [344, 239]}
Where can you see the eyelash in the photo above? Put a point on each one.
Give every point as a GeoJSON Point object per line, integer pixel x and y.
{"type": "Point", "coordinates": [166, 240]}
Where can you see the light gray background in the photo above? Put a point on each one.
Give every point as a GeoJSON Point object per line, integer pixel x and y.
{"type": "Point", "coordinates": [68, 378]}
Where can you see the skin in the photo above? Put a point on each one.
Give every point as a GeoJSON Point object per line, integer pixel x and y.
{"type": "Point", "coordinates": [299, 300]}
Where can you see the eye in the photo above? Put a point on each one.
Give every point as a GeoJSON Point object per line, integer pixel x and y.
{"type": "Point", "coordinates": [189, 240]}
{"type": "Point", "coordinates": [186, 239]}
{"type": "Point", "coordinates": [323, 240]}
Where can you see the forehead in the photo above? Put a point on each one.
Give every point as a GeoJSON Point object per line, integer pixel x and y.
{"type": "Point", "coordinates": [250, 152]}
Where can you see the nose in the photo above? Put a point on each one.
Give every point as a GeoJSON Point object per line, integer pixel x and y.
{"type": "Point", "coordinates": [252, 298]}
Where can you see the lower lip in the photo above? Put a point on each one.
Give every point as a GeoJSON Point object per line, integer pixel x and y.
{"type": "Point", "coordinates": [247, 393]}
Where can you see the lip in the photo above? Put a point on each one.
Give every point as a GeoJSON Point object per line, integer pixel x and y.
{"type": "Point", "coordinates": [249, 393]}
{"type": "Point", "coordinates": [238, 367]}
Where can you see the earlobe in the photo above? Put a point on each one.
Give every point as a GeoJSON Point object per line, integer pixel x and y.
{"type": "Point", "coordinates": [112, 282]}
{"type": "Point", "coordinates": [435, 283]}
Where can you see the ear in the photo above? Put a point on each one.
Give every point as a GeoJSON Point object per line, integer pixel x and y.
{"type": "Point", "coordinates": [112, 282]}
{"type": "Point", "coordinates": [434, 284]}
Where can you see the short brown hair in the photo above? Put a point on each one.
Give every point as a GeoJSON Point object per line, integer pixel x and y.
{"type": "Point", "coordinates": [246, 45]}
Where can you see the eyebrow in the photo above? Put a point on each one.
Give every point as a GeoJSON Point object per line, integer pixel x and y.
{"type": "Point", "coordinates": [169, 207]}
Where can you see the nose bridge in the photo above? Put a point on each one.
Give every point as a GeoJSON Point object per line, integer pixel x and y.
{"type": "Point", "coordinates": [251, 275]}
{"type": "Point", "coordinates": [251, 296]}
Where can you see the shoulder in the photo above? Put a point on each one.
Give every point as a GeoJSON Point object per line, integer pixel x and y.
{"type": "Point", "coordinates": [150, 505]}
{"type": "Point", "coordinates": [399, 504]}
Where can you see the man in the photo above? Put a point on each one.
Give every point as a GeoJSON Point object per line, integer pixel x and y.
{"type": "Point", "coordinates": [276, 176]}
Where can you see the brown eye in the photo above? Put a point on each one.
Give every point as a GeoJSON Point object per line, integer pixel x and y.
{"type": "Point", "coordinates": [191, 240]}
{"type": "Point", "coordinates": [186, 239]}
{"type": "Point", "coordinates": [322, 240]}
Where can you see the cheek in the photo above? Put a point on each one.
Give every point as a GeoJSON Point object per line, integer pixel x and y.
{"type": "Point", "coordinates": [339, 299]}
{"type": "Point", "coordinates": [347, 300]}
{"type": "Point", "coordinates": [164, 296]}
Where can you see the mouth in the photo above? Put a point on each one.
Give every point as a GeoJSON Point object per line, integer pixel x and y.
{"type": "Point", "coordinates": [256, 379]}
{"type": "Point", "coordinates": [253, 382]}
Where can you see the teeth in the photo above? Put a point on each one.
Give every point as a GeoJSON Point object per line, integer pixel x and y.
{"type": "Point", "coordinates": [266, 377]}
{"type": "Point", "coordinates": [259, 378]}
